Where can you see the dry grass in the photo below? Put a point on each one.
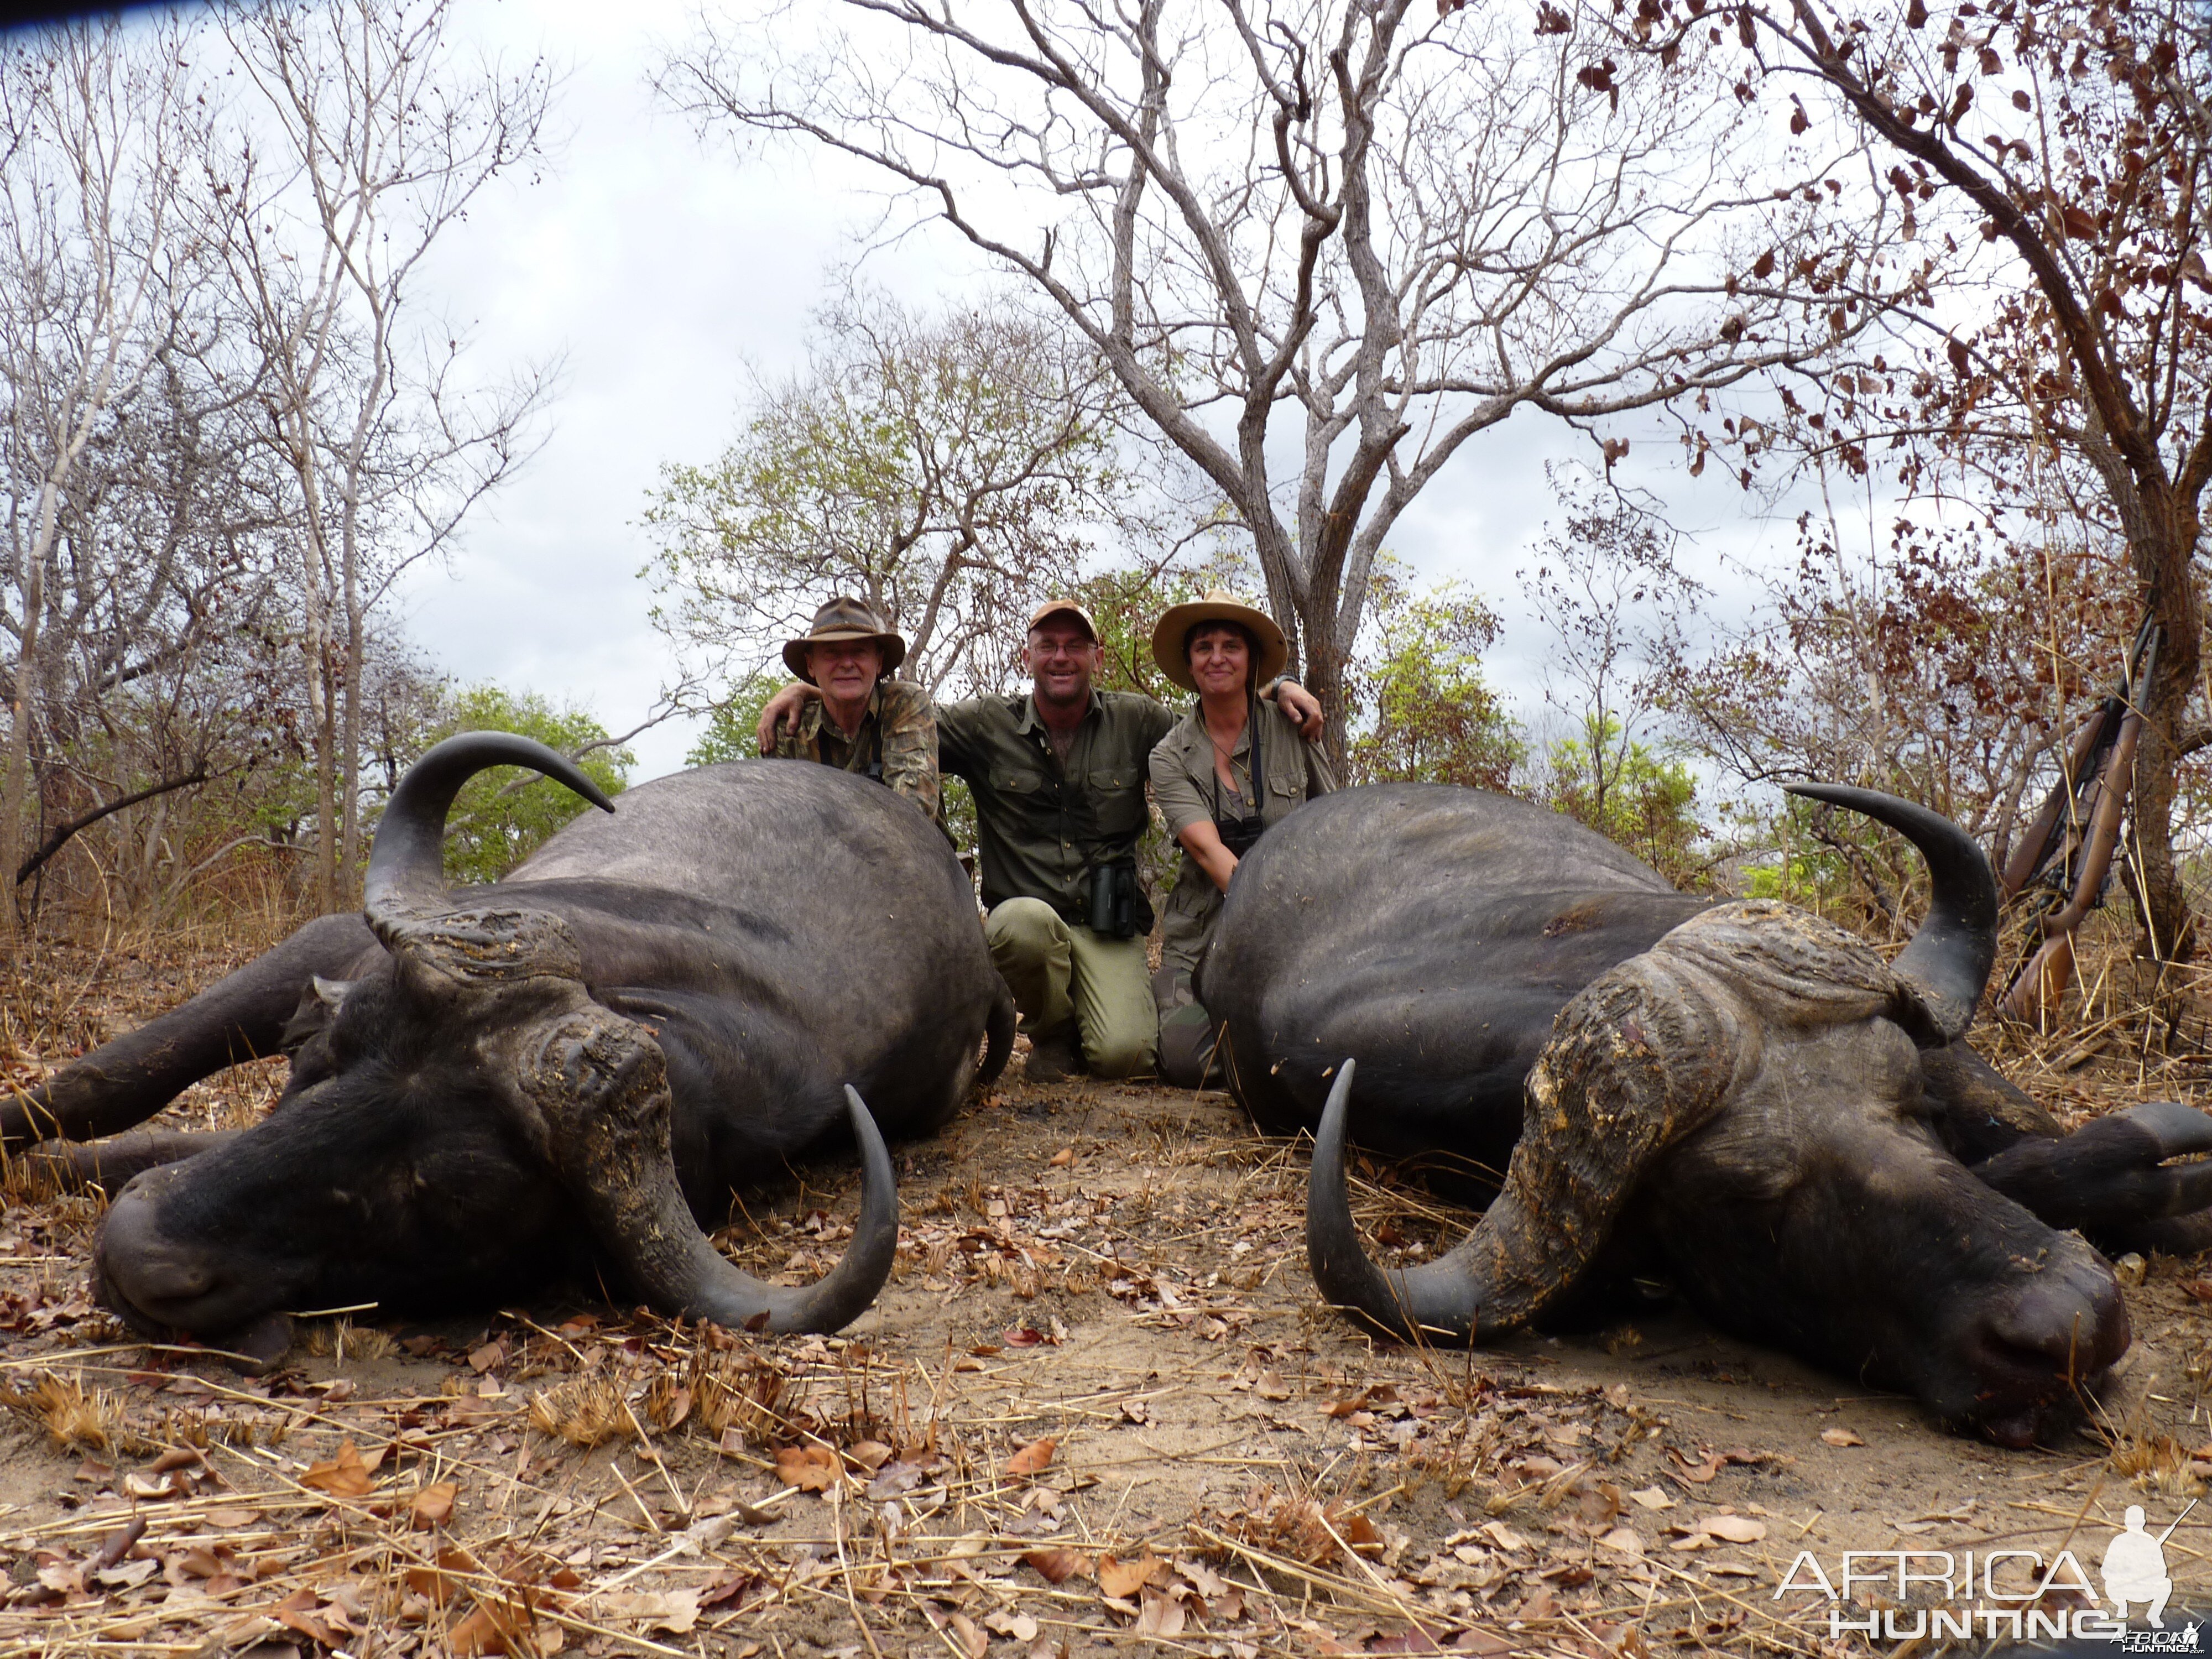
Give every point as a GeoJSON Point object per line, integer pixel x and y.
{"type": "Point", "coordinates": [341, 1340]}
{"type": "Point", "coordinates": [74, 1417]}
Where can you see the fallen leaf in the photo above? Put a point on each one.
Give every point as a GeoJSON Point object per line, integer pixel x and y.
{"type": "Point", "coordinates": [346, 1475]}
{"type": "Point", "coordinates": [1622, 1540]}
{"type": "Point", "coordinates": [1269, 1385]}
{"type": "Point", "coordinates": [1736, 1529]}
{"type": "Point", "coordinates": [1161, 1617]}
{"type": "Point", "coordinates": [870, 1455]}
{"type": "Point", "coordinates": [971, 1639]}
{"type": "Point", "coordinates": [1653, 1498]}
{"type": "Point", "coordinates": [1414, 1640]}
{"type": "Point", "coordinates": [810, 1469]}
{"type": "Point", "coordinates": [673, 1611]}
{"type": "Point", "coordinates": [1019, 1625]}
{"type": "Point", "coordinates": [1122, 1579]}
{"type": "Point", "coordinates": [1055, 1567]}
{"type": "Point", "coordinates": [432, 1506]}
{"type": "Point", "coordinates": [1841, 1438]}
{"type": "Point", "coordinates": [482, 1360]}
{"type": "Point", "coordinates": [1034, 1458]}
{"type": "Point", "coordinates": [1063, 1158]}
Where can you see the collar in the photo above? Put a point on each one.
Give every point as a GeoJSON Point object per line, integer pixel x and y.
{"type": "Point", "coordinates": [817, 711]}
{"type": "Point", "coordinates": [1031, 722]}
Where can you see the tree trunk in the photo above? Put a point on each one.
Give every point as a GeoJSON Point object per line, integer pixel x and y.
{"type": "Point", "coordinates": [2162, 552]}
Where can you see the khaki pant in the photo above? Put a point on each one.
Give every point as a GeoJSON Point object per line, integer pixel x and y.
{"type": "Point", "coordinates": [1057, 970]}
{"type": "Point", "coordinates": [1188, 1035]}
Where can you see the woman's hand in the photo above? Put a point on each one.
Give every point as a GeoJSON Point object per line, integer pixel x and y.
{"type": "Point", "coordinates": [1203, 842]}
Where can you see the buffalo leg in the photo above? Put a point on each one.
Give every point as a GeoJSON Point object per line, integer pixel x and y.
{"type": "Point", "coordinates": [242, 1018]}
{"type": "Point", "coordinates": [107, 1165]}
{"type": "Point", "coordinates": [2111, 1178]}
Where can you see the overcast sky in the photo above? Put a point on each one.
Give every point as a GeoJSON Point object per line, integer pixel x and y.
{"type": "Point", "coordinates": [656, 265]}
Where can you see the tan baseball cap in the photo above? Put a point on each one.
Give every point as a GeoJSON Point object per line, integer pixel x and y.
{"type": "Point", "coordinates": [1063, 607]}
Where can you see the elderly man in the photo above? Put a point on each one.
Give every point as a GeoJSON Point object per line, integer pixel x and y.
{"type": "Point", "coordinates": [860, 721]}
{"type": "Point", "coordinates": [1059, 780]}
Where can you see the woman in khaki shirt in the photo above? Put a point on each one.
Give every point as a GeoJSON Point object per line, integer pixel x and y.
{"type": "Point", "coordinates": [1229, 769]}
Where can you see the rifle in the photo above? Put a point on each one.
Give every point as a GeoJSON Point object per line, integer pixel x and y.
{"type": "Point", "coordinates": [2065, 856]}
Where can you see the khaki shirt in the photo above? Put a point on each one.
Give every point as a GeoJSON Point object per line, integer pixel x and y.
{"type": "Point", "coordinates": [897, 743]}
{"type": "Point", "coordinates": [1186, 787]}
{"type": "Point", "coordinates": [1041, 824]}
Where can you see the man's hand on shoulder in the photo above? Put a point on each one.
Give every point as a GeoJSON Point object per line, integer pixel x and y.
{"type": "Point", "coordinates": [783, 709]}
{"type": "Point", "coordinates": [1302, 706]}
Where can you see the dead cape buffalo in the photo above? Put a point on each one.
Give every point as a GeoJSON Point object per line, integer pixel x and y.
{"type": "Point", "coordinates": [1739, 1097]}
{"type": "Point", "coordinates": [562, 1070]}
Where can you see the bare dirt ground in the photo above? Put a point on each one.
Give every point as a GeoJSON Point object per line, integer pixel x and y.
{"type": "Point", "coordinates": [1097, 1406]}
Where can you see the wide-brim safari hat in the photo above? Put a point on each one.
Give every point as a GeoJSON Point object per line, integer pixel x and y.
{"type": "Point", "coordinates": [1272, 652]}
{"type": "Point", "coordinates": [843, 619]}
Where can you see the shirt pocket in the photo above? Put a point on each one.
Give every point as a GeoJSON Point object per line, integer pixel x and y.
{"type": "Point", "coordinates": [1020, 783]}
{"type": "Point", "coordinates": [1117, 794]}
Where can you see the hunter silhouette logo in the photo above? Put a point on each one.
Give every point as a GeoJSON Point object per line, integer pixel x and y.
{"type": "Point", "coordinates": [2134, 1568]}
{"type": "Point", "coordinates": [2003, 1593]}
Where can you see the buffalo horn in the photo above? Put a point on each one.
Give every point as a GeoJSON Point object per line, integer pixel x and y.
{"type": "Point", "coordinates": [1502, 1274]}
{"type": "Point", "coordinates": [1948, 962]}
{"type": "Point", "coordinates": [407, 862]}
{"type": "Point", "coordinates": [601, 1084]}
{"type": "Point", "coordinates": [1642, 1058]}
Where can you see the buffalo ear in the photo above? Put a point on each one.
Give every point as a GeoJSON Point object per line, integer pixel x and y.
{"type": "Point", "coordinates": [319, 1005]}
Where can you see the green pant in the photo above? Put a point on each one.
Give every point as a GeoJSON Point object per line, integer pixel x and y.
{"type": "Point", "coordinates": [1057, 969]}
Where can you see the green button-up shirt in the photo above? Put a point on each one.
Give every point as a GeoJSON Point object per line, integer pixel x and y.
{"type": "Point", "coordinates": [1043, 824]}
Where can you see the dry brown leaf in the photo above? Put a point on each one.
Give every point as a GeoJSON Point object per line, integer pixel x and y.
{"type": "Point", "coordinates": [1019, 1625]}
{"type": "Point", "coordinates": [1622, 1540]}
{"type": "Point", "coordinates": [1841, 1438]}
{"type": "Point", "coordinates": [1123, 1579]}
{"type": "Point", "coordinates": [971, 1639]}
{"type": "Point", "coordinates": [1162, 1617]}
{"type": "Point", "coordinates": [1736, 1529]}
{"type": "Point", "coordinates": [346, 1475]}
{"type": "Point", "coordinates": [870, 1455]}
{"type": "Point", "coordinates": [810, 1469]}
{"type": "Point", "coordinates": [1055, 1567]}
{"type": "Point", "coordinates": [432, 1506]}
{"type": "Point", "coordinates": [1063, 1158]}
{"type": "Point", "coordinates": [673, 1611]}
{"type": "Point", "coordinates": [1032, 1459]}
{"type": "Point", "coordinates": [1651, 1498]}
{"type": "Point", "coordinates": [1269, 1385]}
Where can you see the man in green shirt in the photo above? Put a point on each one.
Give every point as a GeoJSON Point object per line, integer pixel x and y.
{"type": "Point", "coordinates": [1058, 776]}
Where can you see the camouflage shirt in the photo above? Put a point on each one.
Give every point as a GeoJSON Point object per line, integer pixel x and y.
{"type": "Point", "coordinates": [1043, 822]}
{"type": "Point", "coordinates": [897, 743]}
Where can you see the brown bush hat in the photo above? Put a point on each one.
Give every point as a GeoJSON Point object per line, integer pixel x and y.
{"type": "Point", "coordinates": [1272, 652]}
{"type": "Point", "coordinates": [844, 618]}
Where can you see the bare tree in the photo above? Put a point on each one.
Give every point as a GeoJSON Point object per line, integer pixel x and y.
{"type": "Point", "coordinates": [111, 366]}
{"type": "Point", "coordinates": [1321, 245]}
{"type": "Point", "coordinates": [2076, 138]}
{"type": "Point", "coordinates": [382, 136]}
{"type": "Point", "coordinates": [1614, 604]}
{"type": "Point", "coordinates": [951, 469]}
